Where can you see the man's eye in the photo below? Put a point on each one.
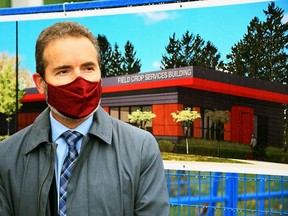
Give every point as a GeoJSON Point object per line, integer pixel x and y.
{"type": "Point", "coordinates": [62, 72]}
{"type": "Point", "coordinates": [89, 69]}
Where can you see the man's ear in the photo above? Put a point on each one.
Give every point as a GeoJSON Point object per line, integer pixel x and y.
{"type": "Point", "coordinates": [39, 82]}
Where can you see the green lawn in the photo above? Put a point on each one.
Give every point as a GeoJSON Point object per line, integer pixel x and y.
{"type": "Point", "coordinates": [189, 157]}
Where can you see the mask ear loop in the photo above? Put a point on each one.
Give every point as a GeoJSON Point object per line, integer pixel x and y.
{"type": "Point", "coordinates": [44, 79]}
{"type": "Point", "coordinates": [45, 87]}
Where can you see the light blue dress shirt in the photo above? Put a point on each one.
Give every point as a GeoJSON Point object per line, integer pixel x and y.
{"type": "Point", "coordinates": [56, 130]}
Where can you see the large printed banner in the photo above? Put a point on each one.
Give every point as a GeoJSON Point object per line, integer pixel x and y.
{"type": "Point", "coordinates": [147, 26]}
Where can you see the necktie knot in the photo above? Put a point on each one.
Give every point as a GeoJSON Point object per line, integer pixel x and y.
{"type": "Point", "coordinates": [71, 137]}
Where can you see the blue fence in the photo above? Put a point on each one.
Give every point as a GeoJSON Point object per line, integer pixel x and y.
{"type": "Point", "coordinates": [229, 194]}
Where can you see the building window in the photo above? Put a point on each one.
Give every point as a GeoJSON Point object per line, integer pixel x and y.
{"type": "Point", "coordinates": [134, 108]}
{"type": "Point", "coordinates": [211, 130]}
{"type": "Point", "coordinates": [122, 113]}
{"type": "Point", "coordinates": [114, 111]}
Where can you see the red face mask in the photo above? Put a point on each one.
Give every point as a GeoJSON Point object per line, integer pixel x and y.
{"type": "Point", "coordinates": [76, 99]}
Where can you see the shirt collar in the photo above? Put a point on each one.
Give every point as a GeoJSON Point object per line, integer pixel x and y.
{"type": "Point", "coordinates": [40, 132]}
{"type": "Point", "coordinates": [57, 128]}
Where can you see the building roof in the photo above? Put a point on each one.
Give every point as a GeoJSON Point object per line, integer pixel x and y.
{"type": "Point", "coordinates": [190, 77]}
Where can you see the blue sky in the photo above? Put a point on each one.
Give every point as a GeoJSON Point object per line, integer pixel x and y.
{"type": "Point", "coordinates": [149, 32]}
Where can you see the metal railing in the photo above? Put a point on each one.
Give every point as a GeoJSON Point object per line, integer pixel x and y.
{"type": "Point", "coordinates": [195, 192]}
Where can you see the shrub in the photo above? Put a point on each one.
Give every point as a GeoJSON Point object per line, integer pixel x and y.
{"type": "Point", "coordinates": [274, 154]}
{"type": "Point", "coordinates": [230, 150]}
{"type": "Point", "coordinates": [210, 148]}
{"type": "Point", "coordinates": [166, 145]}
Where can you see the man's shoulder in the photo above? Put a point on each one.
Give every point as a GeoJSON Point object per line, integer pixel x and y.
{"type": "Point", "coordinates": [128, 128]}
{"type": "Point", "coordinates": [112, 129]}
{"type": "Point", "coordinates": [118, 124]}
{"type": "Point", "coordinates": [132, 136]}
{"type": "Point", "coordinates": [15, 139]}
{"type": "Point", "coordinates": [13, 147]}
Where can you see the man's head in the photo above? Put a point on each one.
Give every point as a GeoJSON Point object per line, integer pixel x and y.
{"type": "Point", "coordinates": [68, 71]}
{"type": "Point", "coordinates": [60, 30]}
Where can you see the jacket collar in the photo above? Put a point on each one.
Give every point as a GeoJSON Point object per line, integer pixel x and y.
{"type": "Point", "coordinates": [40, 132]}
{"type": "Point", "coordinates": [102, 126]}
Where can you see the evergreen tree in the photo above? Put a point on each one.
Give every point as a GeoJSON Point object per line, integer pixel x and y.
{"type": "Point", "coordinates": [262, 53]}
{"type": "Point", "coordinates": [112, 61]}
{"type": "Point", "coordinates": [116, 66]}
{"type": "Point", "coordinates": [131, 65]}
{"type": "Point", "coordinates": [210, 57]}
{"type": "Point", "coordinates": [196, 49]}
{"type": "Point", "coordinates": [105, 54]}
{"type": "Point", "coordinates": [187, 49]}
{"type": "Point", "coordinates": [190, 51]}
{"type": "Point", "coordinates": [172, 59]}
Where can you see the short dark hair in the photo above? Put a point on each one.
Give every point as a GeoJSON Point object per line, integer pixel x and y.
{"type": "Point", "coordinates": [57, 31]}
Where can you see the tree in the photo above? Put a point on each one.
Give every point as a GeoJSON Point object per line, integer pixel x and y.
{"type": "Point", "coordinates": [187, 117]}
{"type": "Point", "coordinates": [25, 79]}
{"type": "Point", "coordinates": [8, 88]}
{"type": "Point", "coordinates": [105, 54]}
{"type": "Point", "coordinates": [210, 57]}
{"type": "Point", "coordinates": [172, 58]}
{"type": "Point", "coordinates": [131, 65]}
{"type": "Point", "coordinates": [190, 51]}
{"type": "Point", "coordinates": [263, 53]}
{"type": "Point", "coordinates": [141, 118]}
{"type": "Point", "coordinates": [112, 61]}
{"type": "Point", "coordinates": [219, 118]}
{"type": "Point", "coordinates": [116, 65]}
{"type": "Point", "coordinates": [192, 47]}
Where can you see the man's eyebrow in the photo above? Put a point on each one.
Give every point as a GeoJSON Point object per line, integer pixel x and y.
{"type": "Point", "coordinates": [90, 63]}
{"type": "Point", "coordinates": [62, 67]}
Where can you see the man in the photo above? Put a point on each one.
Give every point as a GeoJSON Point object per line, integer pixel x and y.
{"type": "Point", "coordinates": [75, 159]}
{"type": "Point", "coordinates": [253, 141]}
{"type": "Point", "coordinates": [254, 146]}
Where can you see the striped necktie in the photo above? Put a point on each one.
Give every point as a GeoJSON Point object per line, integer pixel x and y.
{"type": "Point", "coordinates": [71, 137]}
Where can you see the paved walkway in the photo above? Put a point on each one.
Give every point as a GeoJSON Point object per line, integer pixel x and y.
{"type": "Point", "coordinates": [246, 166]}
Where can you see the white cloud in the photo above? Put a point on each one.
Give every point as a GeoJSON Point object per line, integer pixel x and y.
{"type": "Point", "coordinates": [285, 18]}
{"type": "Point", "coordinates": [155, 17]}
{"type": "Point", "coordinates": [156, 65]}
